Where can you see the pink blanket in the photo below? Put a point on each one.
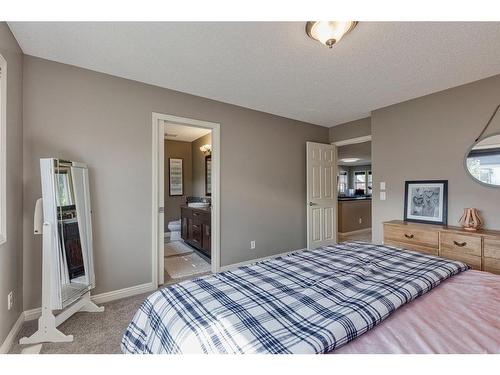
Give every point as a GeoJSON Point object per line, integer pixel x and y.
{"type": "Point", "coordinates": [462, 315]}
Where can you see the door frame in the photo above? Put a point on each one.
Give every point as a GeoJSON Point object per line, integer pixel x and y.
{"type": "Point", "coordinates": [353, 141]}
{"type": "Point", "coordinates": [158, 181]}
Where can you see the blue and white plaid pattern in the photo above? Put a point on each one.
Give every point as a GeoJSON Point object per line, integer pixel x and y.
{"type": "Point", "coordinates": [311, 301]}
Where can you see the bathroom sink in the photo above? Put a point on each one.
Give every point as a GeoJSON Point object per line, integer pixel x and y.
{"type": "Point", "coordinates": [198, 205]}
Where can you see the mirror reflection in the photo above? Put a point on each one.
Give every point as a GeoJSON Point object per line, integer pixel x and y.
{"type": "Point", "coordinates": [73, 277]}
{"type": "Point", "coordinates": [483, 161]}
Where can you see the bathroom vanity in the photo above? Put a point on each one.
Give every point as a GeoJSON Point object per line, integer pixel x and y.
{"type": "Point", "coordinates": [196, 228]}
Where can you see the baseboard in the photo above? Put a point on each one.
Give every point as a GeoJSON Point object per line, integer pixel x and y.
{"type": "Point", "coordinates": [359, 231]}
{"type": "Point", "coordinates": [123, 293]}
{"type": "Point", "coordinates": [101, 298]}
{"type": "Point", "coordinates": [252, 261]}
{"type": "Point", "coordinates": [9, 340]}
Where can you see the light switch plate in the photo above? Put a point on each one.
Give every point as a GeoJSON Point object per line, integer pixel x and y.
{"type": "Point", "coordinates": [382, 186]}
{"type": "Point", "coordinates": [382, 196]}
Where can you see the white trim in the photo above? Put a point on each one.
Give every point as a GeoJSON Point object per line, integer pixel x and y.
{"type": "Point", "coordinates": [364, 230]}
{"type": "Point", "coordinates": [3, 150]}
{"type": "Point", "coordinates": [9, 340]}
{"type": "Point", "coordinates": [253, 261]}
{"type": "Point", "coordinates": [215, 197]}
{"type": "Point", "coordinates": [101, 298]}
{"type": "Point", "coordinates": [123, 293]}
{"type": "Point", "coordinates": [157, 167]}
{"type": "Point", "coordinates": [32, 314]}
{"type": "Point", "coordinates": [353, 141]}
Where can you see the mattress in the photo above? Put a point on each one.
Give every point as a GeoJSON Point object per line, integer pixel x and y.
{"type": "Point", "coordinates": [311, 301]}
{"type": "Point", "coordinates": [462, 315]}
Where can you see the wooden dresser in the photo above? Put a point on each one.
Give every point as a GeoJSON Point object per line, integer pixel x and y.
{"type": "Point", "coordinates": [480, 249]}
{"type": "Point", "coordinates": [195, 228]}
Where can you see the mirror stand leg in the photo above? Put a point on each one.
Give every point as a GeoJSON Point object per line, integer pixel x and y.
{"type": "Point", "coordinates": [91, 307]}
{"type": "Point", "coordinates": [47, 332]}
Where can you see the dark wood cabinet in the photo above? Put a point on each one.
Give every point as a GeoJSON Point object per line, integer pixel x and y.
{"type": "Point", "coordinates": [196, 228]}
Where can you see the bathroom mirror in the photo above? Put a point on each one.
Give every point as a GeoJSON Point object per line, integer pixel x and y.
{"type": "Point", "coordinates": [482, 161]}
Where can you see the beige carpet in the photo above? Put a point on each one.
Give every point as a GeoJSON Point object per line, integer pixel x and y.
{"type": "Point", "coordinates": [93, 333]}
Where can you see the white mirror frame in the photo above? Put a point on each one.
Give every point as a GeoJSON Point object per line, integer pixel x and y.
{"type": "Point", "coordinates": [465, 161]}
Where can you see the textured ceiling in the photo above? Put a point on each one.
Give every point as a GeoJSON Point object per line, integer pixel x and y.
{"type": "Point", "coordinates": [273, 66]}
{"type": "Point", "coordinates": [183, 133]}
{"type": "Point", "coordinates": [362, 151]}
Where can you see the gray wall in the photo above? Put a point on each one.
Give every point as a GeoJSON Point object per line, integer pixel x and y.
{"type": "Point", "coordinates": [11, 252]}
{"type": "Point", "coordinates": [105, 121]}
{"type": "Point", "coordinates": [177, 150]}
{"type": "Point", "coordinates": [426, 138]}
{"type": "Point", "coordinates": [199, 165]}
{"type": "Point", "coordinates": [352, 129]}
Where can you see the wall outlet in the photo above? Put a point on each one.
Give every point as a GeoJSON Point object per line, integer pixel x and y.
{"type": "Point", "coordinates": [360, 220]}
{"type": "Point", "coordinates": [10, 300]}
{"type": "Point", "coordinates": [252, 245]}
{"type": "Point", "coordinates": [382, 196]}
{"type": "Point", "coordinates": [382, 185]}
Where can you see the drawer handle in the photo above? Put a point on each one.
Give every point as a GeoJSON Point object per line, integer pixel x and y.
{"type": "Point", "coordinates": [410, 236]}
{"type": "Point", "coordinates": [460, 244]}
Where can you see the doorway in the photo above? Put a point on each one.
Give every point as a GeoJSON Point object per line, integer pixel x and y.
{"type": "Point", "coordinates": [186, 201]}
{"type": "Point", "coordinates": [354, 187]}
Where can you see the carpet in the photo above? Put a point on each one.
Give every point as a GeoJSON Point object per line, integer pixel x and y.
{"type": "Point", "coordinates": [93, 333]}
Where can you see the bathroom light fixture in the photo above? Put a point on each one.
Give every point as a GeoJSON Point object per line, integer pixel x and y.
{"type": "Point", "coordinates": [206, 149]}
{"type": "Point", "coordinates": [349, 160]}
{"type": "Point", "coordinates": [329, 32]}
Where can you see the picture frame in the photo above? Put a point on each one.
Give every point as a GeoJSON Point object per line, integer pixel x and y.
{"type": "Point", "coordinates": [176, 177]}
{"type": "Point", "coordinates": [208, 175]}
{"type": "Point", "coordinates": [426, 201]}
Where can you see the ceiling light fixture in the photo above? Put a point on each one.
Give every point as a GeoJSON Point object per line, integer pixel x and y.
{"type": "Point", "coordinates": [329, 32]}
{"type": "Point", "coordinates": [349, 160]}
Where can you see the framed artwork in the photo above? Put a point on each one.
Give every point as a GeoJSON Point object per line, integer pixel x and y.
{"type": "Point", "coordinates": [176, 176]}
{"type": "Point", "coordinates": [208, 175]}
{"type": "Point", "coordinates": [426, 201]}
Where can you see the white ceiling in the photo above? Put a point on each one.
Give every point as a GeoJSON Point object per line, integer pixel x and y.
{"type": "Point", "coordinates": [184, 133]}
{"type": "Point", "coordinates": [273, 66]}
{"type": "Point", "coordinates": [361, 151]}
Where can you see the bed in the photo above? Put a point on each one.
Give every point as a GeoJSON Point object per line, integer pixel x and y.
{"type": "Point", "coordinates": [322, 301]}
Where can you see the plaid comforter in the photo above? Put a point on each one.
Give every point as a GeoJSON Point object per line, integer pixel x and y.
{"type": "Point", "coordinates": [311, 301]}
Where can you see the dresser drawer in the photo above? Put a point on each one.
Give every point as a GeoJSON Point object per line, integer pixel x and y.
{"type": "Point", "coordinates": [491, 248]}
{"type": "Point", "coordinates": [460, 243]}
{"type": "Point", "coordinates": [420, 249]}
{"type": "Point", "coordinates": [461, 247]}
{"type": "Point", "coordinates": [491, 265]}
{"type": "Point", "coordinates": [414, 238]}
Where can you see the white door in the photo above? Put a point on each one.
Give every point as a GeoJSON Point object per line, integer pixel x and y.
{"type": "Point", "coordinates": [161, 201]}
{"type": "Point", "coordinates": [321, 195]}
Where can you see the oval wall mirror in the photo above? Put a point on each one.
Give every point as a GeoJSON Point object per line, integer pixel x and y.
{"type": "Point", "coordinates": [483, 161]}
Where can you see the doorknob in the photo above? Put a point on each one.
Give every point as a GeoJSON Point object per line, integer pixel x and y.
{"type": "Point", "coordinates": [312, 204]}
